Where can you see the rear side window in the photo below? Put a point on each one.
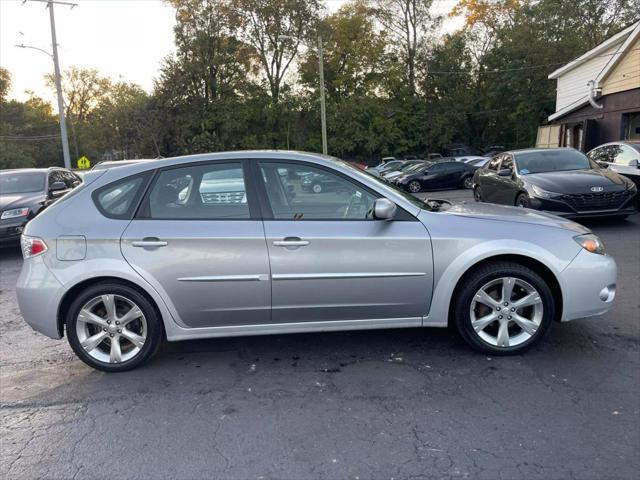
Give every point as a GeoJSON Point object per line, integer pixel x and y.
{"type": "Point", "coordinates": [120, 199]}
{"type": "Point", "coordinates": [200, 192]}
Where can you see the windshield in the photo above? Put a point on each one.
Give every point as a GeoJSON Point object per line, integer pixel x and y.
{"type": "Point", "coordinates": [23, 182]}
{"type": "Point", "coordinates": [552, 161]}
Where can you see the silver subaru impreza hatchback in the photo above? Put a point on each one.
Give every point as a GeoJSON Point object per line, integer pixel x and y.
{"type": "Point", "coordinates": [266, 242]}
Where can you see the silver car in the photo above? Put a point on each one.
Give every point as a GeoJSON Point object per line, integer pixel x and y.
{"type": "Point", "coordinates": [230, 244]}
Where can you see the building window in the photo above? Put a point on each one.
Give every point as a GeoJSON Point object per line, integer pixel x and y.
{"type": "Point", "coordinates": [632, 130]}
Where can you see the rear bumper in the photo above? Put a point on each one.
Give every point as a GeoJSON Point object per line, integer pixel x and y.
{"type": "Point", "coordinates": [588, 286]}
{"type": "Point", "coordinates": [39, 294]}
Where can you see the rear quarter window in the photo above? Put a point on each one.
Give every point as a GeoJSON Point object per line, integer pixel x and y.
{"type": "Point", "coordinates": [121, 198]}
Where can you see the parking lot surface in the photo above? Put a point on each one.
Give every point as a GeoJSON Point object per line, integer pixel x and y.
{"type": "Point", "coordinates": [406, 403]}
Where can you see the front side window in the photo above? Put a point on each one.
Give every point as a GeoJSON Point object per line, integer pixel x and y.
{"type": "Point", "coordinates": [300, 192]}
{"type": "Point", "coordinates": [200, 192]}
{"type": "Point", "coordinates": [507, 162]}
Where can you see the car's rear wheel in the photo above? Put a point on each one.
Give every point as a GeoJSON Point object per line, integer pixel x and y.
{"type": "Point", "coordinates": [477, 194]}
{"type": "Point", "coordinates": [113, 327]}
{"type": "Point", "coordinates": [523, 201]}
{"type": "Point", "coordinates": [503, 308]}
{"type": "Point", "coordinates": [467, 182]}
{"type": "Point", "coordinates": [414, 186]}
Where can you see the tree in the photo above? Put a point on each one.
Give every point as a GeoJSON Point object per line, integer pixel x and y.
{"type": "Point", "coordinates": [410, 24]}
{"type": "Point", "coordinates": [355, 59]}
{"type": "Point", "coordinates": [276, 28]}
{"type": "Point", "coordinates": [28, 131]}
{"type": "Point", "coordinates": [5, 84]}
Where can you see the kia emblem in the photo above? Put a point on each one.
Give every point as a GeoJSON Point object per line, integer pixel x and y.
{"type": "Point", "coordinates": [597, 189]}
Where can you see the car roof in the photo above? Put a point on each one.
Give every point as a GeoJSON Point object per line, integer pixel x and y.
{"type": "Point", "coordinates": [623, 142]}
{"type": "Point", "coordinates": [533, 150]}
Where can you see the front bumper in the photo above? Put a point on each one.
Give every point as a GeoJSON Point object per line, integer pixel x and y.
{"type": "Point", "coordinates": [588, 286]}
{"type": "Point", "coordinates": [39, 294]}
{"type": "Point", "coordinates": [10, 232]}
{"type": "Point", "coordinates": [557, 206]}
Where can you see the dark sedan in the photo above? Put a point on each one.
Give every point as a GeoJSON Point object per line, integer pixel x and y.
{"type": "Point", "coordinates": [26, 192]}
{"type": "Point", "coordinates": [437, 176]}
{"type": "Point", "coordinates": [562, 181]}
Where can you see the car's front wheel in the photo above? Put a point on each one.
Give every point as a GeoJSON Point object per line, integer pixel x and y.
{"type": "Point", "coordinates": [113, 327]}
{"type": "Point", "coordinates": [414, 186]}
{"type": "Point", "coordinates": [523, 201]}
{"type": "Point", "coordinates": [317, 188]}
{"type": "Point", "coordinates": [503, 308]}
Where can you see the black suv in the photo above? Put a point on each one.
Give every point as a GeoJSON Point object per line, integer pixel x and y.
{"type": "Point", "coordinates": [25, 192]}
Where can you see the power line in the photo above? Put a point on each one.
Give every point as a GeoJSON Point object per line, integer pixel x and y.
{"type": "Point", "coordinates": [515, 69]}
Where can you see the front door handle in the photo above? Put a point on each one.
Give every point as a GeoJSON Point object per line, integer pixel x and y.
{"type": "Point", "coordinates": [291, 242]}
{"type": "Point", "coordinates": [149, 242]}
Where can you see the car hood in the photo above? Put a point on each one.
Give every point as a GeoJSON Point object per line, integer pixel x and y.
{"type": "Point", "coordinates": [577, 181]}
{"type": "Point", "coordinates": [513, 214]}
{"type": "Point", "coordinates": [20, 200]}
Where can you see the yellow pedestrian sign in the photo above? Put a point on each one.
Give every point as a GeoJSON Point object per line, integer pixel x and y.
{"type": "Point", "coordinates": [83, 163]}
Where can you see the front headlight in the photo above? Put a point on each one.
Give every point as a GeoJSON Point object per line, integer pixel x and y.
{"type": "Point", "coordinates": [540, 193]}
{"type": "Point", "coordinates": [15, 213]}
{"type": "Point", "coordinates": [591, 243]}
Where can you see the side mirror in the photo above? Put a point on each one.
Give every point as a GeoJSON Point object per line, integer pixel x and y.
{"type": "Point", "coordinates": [57, 188]}
{"type": "Point", "coordinates": [634, 163]}
{"type": "Point", "coordinates": [505, 172]}
{"type": "Point", "coordinates": [384, 209]}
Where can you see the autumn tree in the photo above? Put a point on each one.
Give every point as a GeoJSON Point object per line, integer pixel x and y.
{"type": "Point", "coordinates": [276, 29]}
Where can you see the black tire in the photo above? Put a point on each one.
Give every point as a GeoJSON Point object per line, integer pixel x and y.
{"type": "Point", "coordinates": [523, 201]}
{"type": "Point", "coordinates": [477, 194]}
{"type": "Point", "coordinates": [467, 182]}
{"type": "Point", "coordinates": [154, 328]}
{"type": "Point", "coordinates": [316, 188]}
{"type": "Point", "coordinates": [414, 186]}
{"type": "Point", "coordinates": [475, 280]}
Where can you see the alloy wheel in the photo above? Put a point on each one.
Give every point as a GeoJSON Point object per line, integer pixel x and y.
{"type": "Point", "coordinates": [111, 328]}
{"type": "Point", "coordinates": [467, 182]}
{"type": "Point", "coordinates": [317, 188]}
{"type": "Point", "coordinates": [414, 187]}
{"type": "Point", "coordinates": [506, 312]}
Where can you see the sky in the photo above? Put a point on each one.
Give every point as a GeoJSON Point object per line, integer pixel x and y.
{"type": "Point", "coordinates": [122, 39]}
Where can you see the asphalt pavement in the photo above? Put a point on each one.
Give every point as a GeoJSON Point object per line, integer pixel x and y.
{"type": "Point", "coordinates": [402, 404]}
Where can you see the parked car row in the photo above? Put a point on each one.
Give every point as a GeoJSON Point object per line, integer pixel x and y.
{"type": "Point", "coordinates": [562, 181]}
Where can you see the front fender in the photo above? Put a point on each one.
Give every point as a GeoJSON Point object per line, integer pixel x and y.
{"type": "Point", "coordinates": [447, 281]}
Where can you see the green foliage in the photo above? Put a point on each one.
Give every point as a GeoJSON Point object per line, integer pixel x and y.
{"type": "Point", "coordinates": [245, 76]}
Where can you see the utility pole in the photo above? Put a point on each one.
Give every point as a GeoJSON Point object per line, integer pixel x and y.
{"type": "Point", "coordinates": [58, 80]}
{"type": "Point", "coordinates": [323, 111]}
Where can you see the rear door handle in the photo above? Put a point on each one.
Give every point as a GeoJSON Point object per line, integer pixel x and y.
{"type": "Point", "coordinates": [291, 242]}
{"type": "Point", "coordinates": [149, 242]}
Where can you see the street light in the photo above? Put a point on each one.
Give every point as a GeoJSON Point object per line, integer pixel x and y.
{"type": "Point", "coordinates": [56, 68]}
{"type": "Point", "coordinates": [323, 112]}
